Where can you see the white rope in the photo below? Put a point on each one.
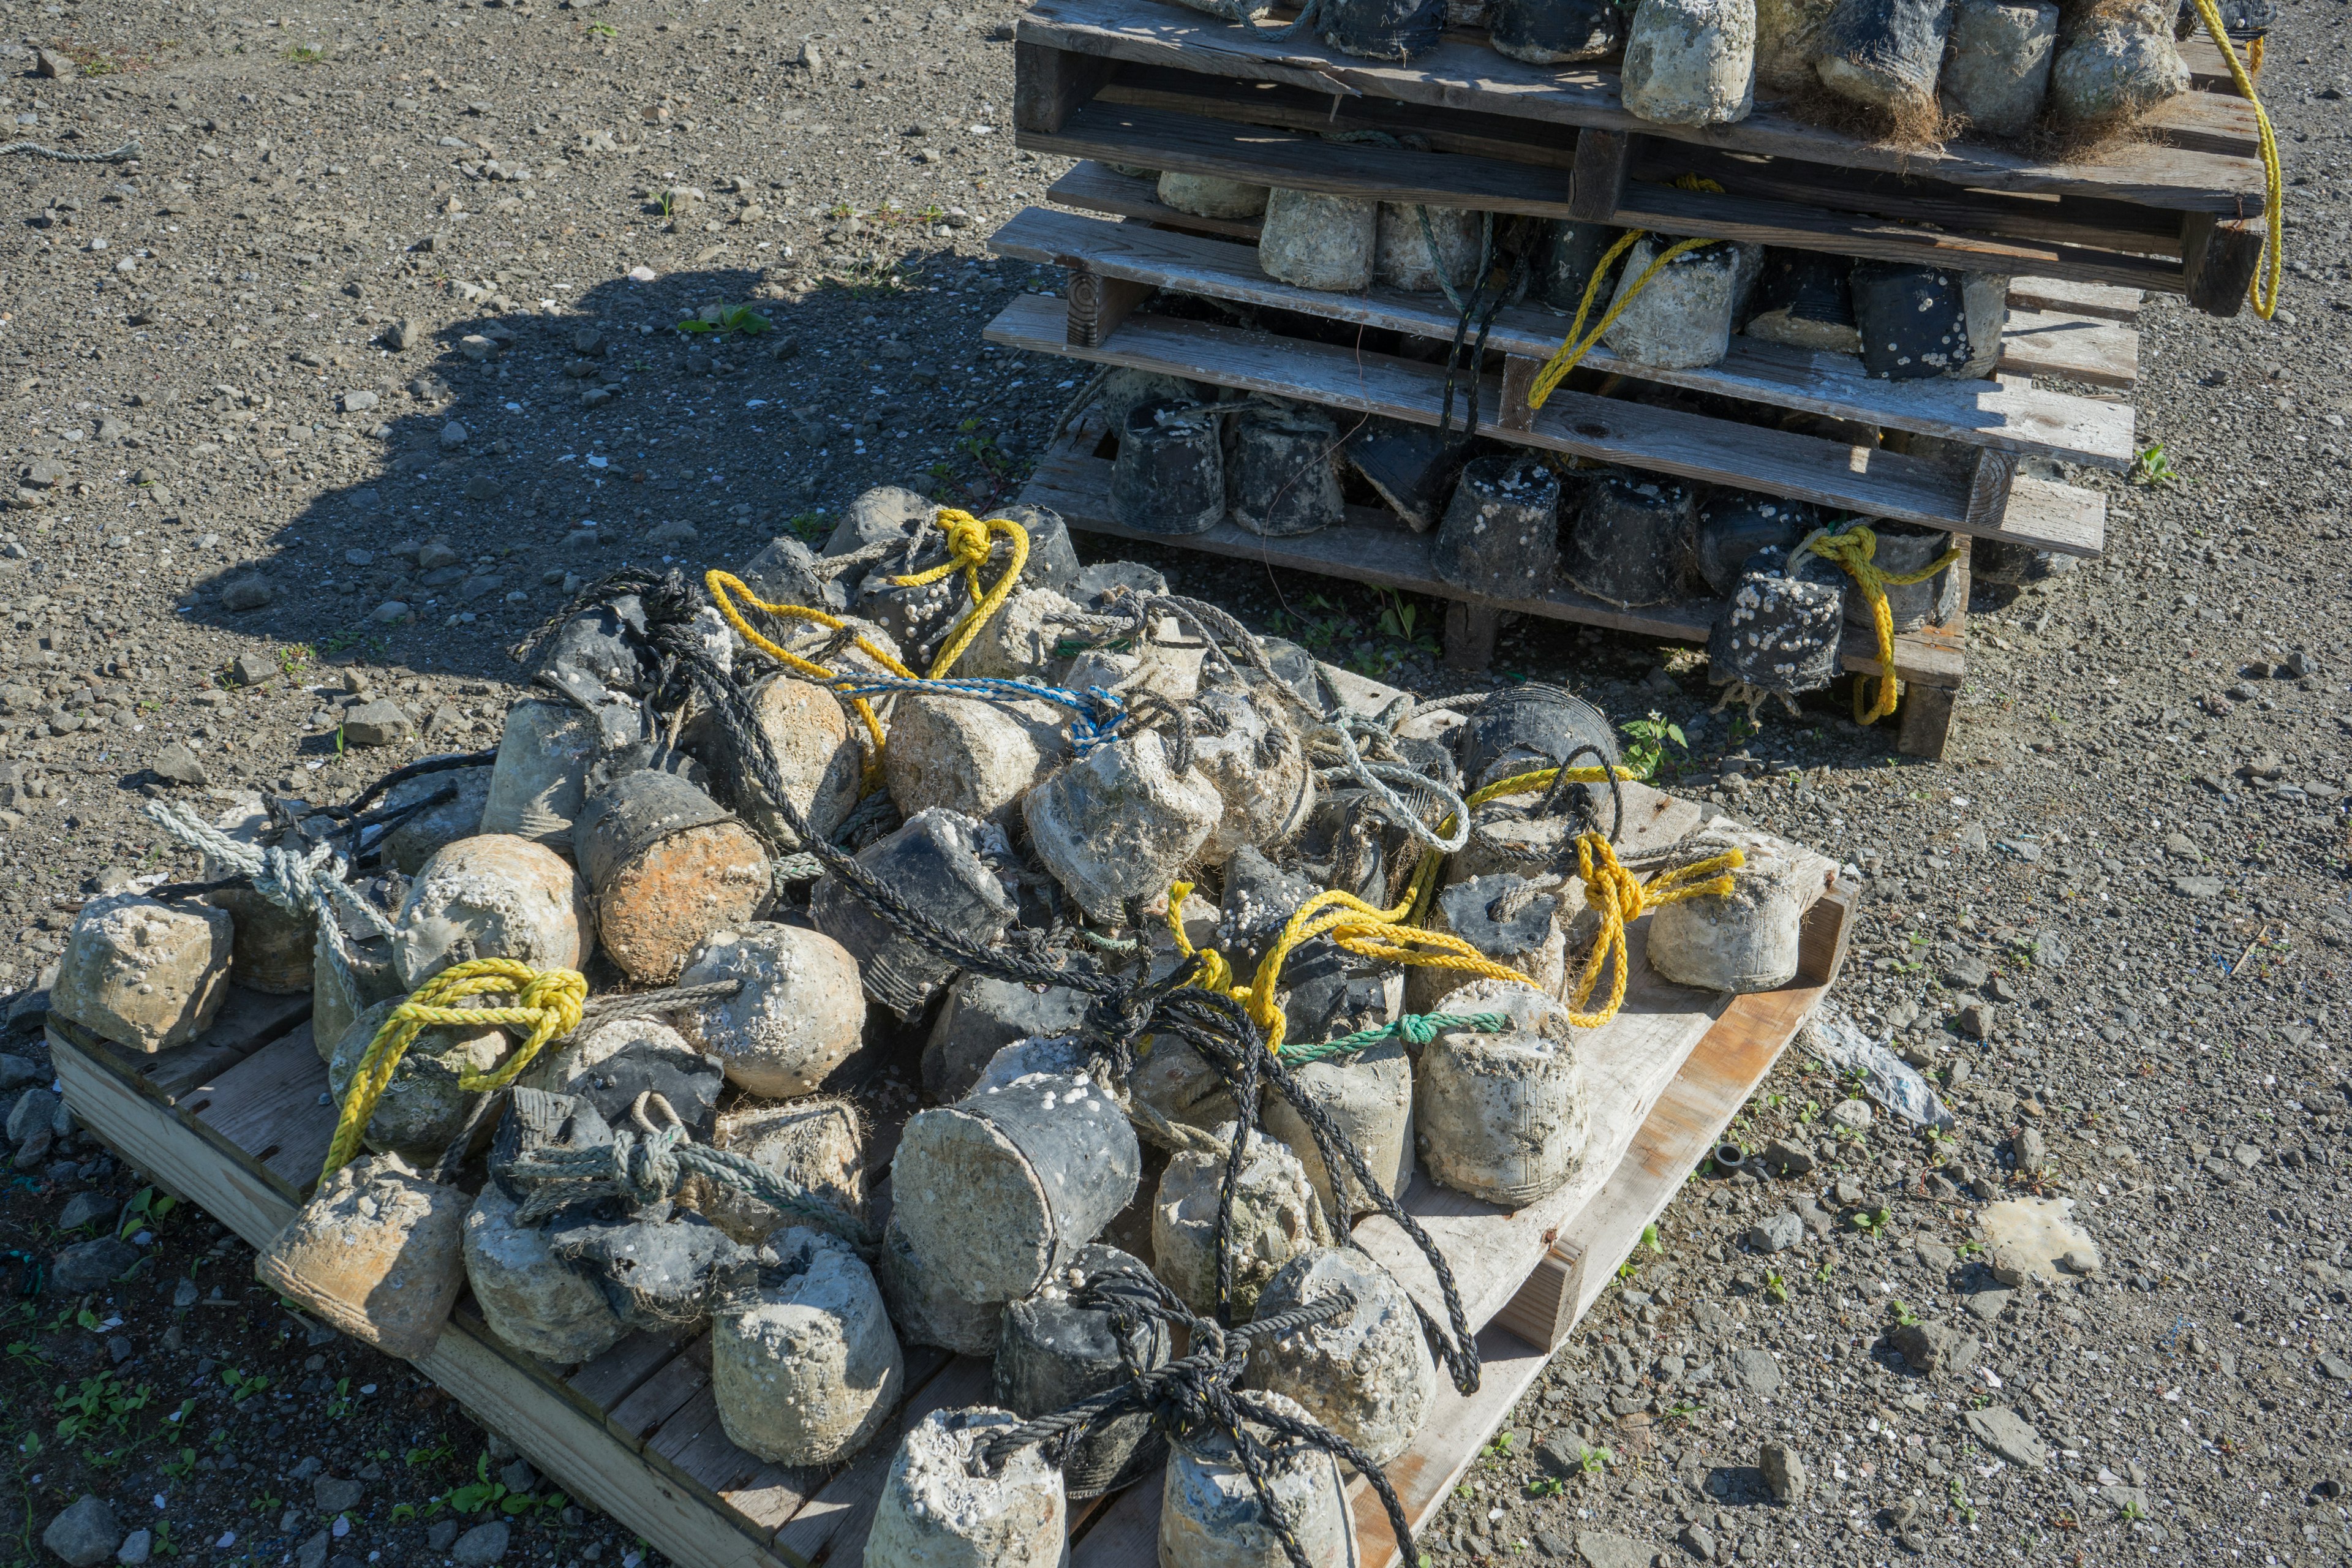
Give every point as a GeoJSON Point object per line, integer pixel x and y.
{"type": "Point", "coordinates": [121, 154]}
{"type": "Point", "coordinates": [1391, 804]}
{"type": "Point", "coordinates": [301, 885]}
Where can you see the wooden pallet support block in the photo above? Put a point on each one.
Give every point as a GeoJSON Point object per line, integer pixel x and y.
{"type": "Point", "coordinates": [1470, 634]}
{"type": "Point", "coordinates": [1989, 487]}
{"type": "Point", "coordinates": [1596, 185]}
{"type": "Point", "coordinates": [2220, 257]}
{"type": "Point", "coordinates": [1925, 720]}
{"type": "Point", "coordinates": [1098, 304]}
{"type": "Point", "coordinates": [1519, 372]}
{"type": "Point", "coordinates": [1048, 86]}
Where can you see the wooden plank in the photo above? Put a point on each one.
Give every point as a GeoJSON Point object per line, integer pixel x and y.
{"type": "Point", "coordinates": [266, 1108]}
{"type": "Point", "coordinates": [2207, 72]}
{"type": "Point", "coordinates": [634, 1419]}
{"type": "Point", "coordinates": [248, 1020]}
{"type": "Point", "coordinates": [1092, 188]}
{"type": "Point", "coordinates": [597, 1385]}
{"type": "Point", "coordinates": [1374, 547]}
{"type": "Point", "coordinates": [1604, 159]}
{"type": "Point", "coordinates": [2070, 347]}
{"type": "Point", "coordinates": [832, 1528]}
{"type": "Point", "coordinates": [1462, 73]}
{"type": "Point", "coordinates": [1983, 412]}
{"type": "Point", "coordinates": [2060, 297]}
{"type": "Point", "coordinates": [1875, 482]}
{"type": "Point", "coordinates": [1048, 85]}
{"type": "Point", "coordinates": [151, 1137]}
{"type": "Point", "coordinates": [580, 1452]}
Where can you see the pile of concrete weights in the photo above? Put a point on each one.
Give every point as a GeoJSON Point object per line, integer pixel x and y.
{"type": "Point", "coordinates": [760, 998]}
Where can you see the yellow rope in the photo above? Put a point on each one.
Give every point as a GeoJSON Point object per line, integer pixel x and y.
{"type": "Point", "coordinates": [1578, 343]}
{"type": "Point", "coordinates": [969, 542]}
{"type": "Point", "coordinates": [547, 1004]}
{"type": "Point", "coordinates": [1853, 550]}
{"type": "Point", "coordinates": [2263, 290]}
{"type": "Point", "coordinates": [1424, 875]}
{"type": "Point", "coordinates": [1618, 897]}
{"type": "Point", "coordinates": [722, 584]}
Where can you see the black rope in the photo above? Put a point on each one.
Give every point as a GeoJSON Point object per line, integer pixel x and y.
{"type": "Point", "coordinates": [418, 770]}
{"type": "Point", "coordinates": [1477, 303]}
{"type": "Point", "coordinates": [1197, 1395]}
{"type": "Point", "coordinates": [1120, 1015]}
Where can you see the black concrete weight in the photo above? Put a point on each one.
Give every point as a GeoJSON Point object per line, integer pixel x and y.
{"type": "Point", "coordinates": [1733, 525]}
{"type": "Point", "coordinates": [1632, 540]}
{"type": "Point", "coordinates": [1383, 29]}
{"type": "Point", "coordinates": [1572, 253]}
{"type": "Point", "coordinates": [1914, 321]}
{"type": "Point", "coordinates": [1410, 466]}
{"type": "Point", "coordinates": [1549, 32]}
{"type": "Point", "coordinates": [1804, 299]}
{"type": "Point", "coordinates": [1501, 534]}
{"type": "Point", "coordinates": [1169, 474]}
{"type": "Point", "coordinates": [1281, 478]}
{"type": "Point", "coordinates": [1051, 1353]}
{"type": "Point", "coordinates": [1780, 634]}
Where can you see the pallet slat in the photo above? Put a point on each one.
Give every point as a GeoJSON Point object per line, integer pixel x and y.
{"type": "Point", "coordinates": [1876, 483]}
{"type": "Point", "coordinates": [1980, 413]}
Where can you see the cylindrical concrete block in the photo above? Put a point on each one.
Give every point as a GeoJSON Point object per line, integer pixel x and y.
{"type": "Point", "coordinates": [378, 1253]}
{"type": "Point", "coordinates": [803, 1365]}
{"type": "Point", "coordinates": [1275, 1216]}
{"type": "Point", "coordinates": [1632, 539]}
{"type": "Point", "coordinates": [1207, 196]}
{"type": "Point", "coordinates": [1383, 29]}
{"type": "Point", "coordinates": [609, 1063]}
{"type": "Point", "coordinates": [924, 1304]}
{"type": "Point", "coordinates": [976, 758]}
{"type": "Point", "coordinates": [145, 975]}
{"type": "Point", "coordinates": [1051, 1353]}
{"type": "Point", "coordinates": [1178, 1082]}
{"type": "Point", "coordinates": [1501, 532]}
{"type": "Point", "coordinates": [1786, 43]}
{"type": "Point", "coordinates": [667, 866]}
{"type": "Point", "coordinates": [1553, 32]}
{"type": "Point", "coordinates": [1369, 1098]}
{"type": "Point", "coordinates": [819, 750]}
{"type": "Point", "coordinates": [1405, 261]}
{"type": "Point", "coordinates": [1742, 941]}
{"type": "Point", "coordinates": [338, 995]}
{"type": "Point", "coordinates": [541, 778]}
{"type": "Point", "coordinates": [657, 1273]}
{"type": "Point", "coordinates": [422, 1108]}
{"type": "Point", "coordinates": [1124, 391]}
{"type": "Point", "coordinates": [1802, 299]}
{"type": "Point", "coordinates": [1259, 770]}
{"type": "Point", "coordinates": [540, 1305]}
{"type": "Point", "coordinates": [1997, 73]}
{"type": "Point", "coordinates": [998, 1190]}
{"type": "Point", "coordinates": [2112, 68]}
{"type": "Point", "coordinates": [1526, 728]}
{"type": "Point", "coordinates": [1020, 640]}
{"type": "Point", "coordinates": [932, 861]}
{"type": "Point", "coordinates": [1320, 241]}
{"type": "Point", "coordinates": [1914, 321]}
{"type": "Point", "coordinates": [1887, 52]}
{"type": "Point", "coordinates": [1411, 467]}
{"type": "Point", "coordinates": [1169, 474]}
{"type": "Point", "coordinates": [271, 952]}
{"type": "Point", "coordinates": [1572, 256]}
{"type": "Point", "coordinates": [1282, 475]}
{"type": "Point", "coordinates": [1119, 823]}
{"type": "Point", "coordinates": [418, 840]}
{"type": "Point", "coordinates": [1508, 920]}
{"type": "Point", "coordinates": [1366, 1374]}
{"type": "Point", "coordinates": [496, 895]}
{"type": "Point", "coordinates": [1984, 299]}
{"type": "Point", "coordinates": [981, 1015]}
{"type": "Point", "coordinates": [1683, 317]}
{"type": "Point", "coordinates": [1211, 1516]}
{"type": "Point", "coordinates": [1734, 524]}
{"type": "Point", "coordinates": [1902, 550]}
{"type": "Point", "coordinates": [810, 1143]}
{"type": "Point", "coordinates": [1691, 63]}
{"type": "Point", "coordinates": [800, 1014]}
{"type": "Point", "coordinates": [1778, 633]}
{"type": "Point", "coordinates": [1502, 1116]}
{"type": "Point", "coordinates": [937, 1510]}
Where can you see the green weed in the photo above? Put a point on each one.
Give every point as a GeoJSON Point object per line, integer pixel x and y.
{"type": "Point", "coordinates": [2152, 469]}
{"type": "Point", "coordinates": [730, 319]}
{"type": "Point", "coordinates": [304, 54]}
{"type": "Point", "coordinates": [1650, 734]}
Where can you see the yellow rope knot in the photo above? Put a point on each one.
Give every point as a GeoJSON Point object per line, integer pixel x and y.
{"type": "Point", "coordinates": [722, 585]}
{"type": "Point", "coordinates": [1618, 897]}
{"type": "Point", "coordinates": [547, 1005]}
{"type": "Point", "coordinates": [969, 542]}
{"type": "Point", "coordinates": [1855, 551]}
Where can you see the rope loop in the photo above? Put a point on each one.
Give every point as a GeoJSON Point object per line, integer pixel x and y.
{"type": "Point", "coordinates": [547, 1005]}
{"type": "Point", "coordinates": [969, 541]}
{"type": "Point", "coordinates": [1619, 898]}
{"type": "Point", "coordinates": [1854, 549]}
{"type": "Point", "coordinates": [2262, 288]}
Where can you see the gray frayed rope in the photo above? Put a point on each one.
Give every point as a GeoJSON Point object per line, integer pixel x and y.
{"type": "Point", "coordinates": [304, 885]}
{"type": "Point", "coordinates": [122, 155]}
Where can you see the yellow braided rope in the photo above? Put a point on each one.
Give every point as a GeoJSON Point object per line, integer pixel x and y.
{"type": "Point", "coordinates": [1424, 875]}
{"type": "Point", "coordinates": [2263, 289]}
{"type": "Point", "coordinates": [1853, 550]}
{"type": "Point", "coordinates": [547, 1004]}
{"type": "Point", "coordinates": [1618, 897]}
{"type": "Point", "coordinates": [1578, 343]}
{"type": "Point", "coordinates": [969, 542]}
{"type": "Point", "coordinates": [722, 584]}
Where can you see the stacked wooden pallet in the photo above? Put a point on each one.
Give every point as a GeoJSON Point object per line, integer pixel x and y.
{"type": "Point", "coordinates": [1139, 83]}
{"type": "Point", "coordinates": [239, 1121]}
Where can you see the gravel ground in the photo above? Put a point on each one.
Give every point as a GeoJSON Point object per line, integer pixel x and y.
{"type": "Point", "coordinates": [315, 404]}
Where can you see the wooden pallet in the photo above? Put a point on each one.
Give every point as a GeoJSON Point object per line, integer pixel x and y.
{"type": "Point", "coordinates": [1373, 546]}
{"type": "Point", "coordinates": [234, 1124]}
{"type": "Point", "coordinates": [2175, 208]}
{"type": "Point", "coordinates": [2057, 331]}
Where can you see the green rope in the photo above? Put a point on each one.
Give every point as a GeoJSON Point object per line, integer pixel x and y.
{"type": "Point", "coordinates": [1418, 1029]}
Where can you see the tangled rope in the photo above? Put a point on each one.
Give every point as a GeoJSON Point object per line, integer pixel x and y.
{"type": "Point", "coordinates": [122, 155]}
{"type": "Point", "coordinates": [1122, 1012]}
{"type": "Point", "coordinates": [1619, 896]}
{"type": "Point", "coordinates": [970, 542]}
{"type": "Point", "coordinates": [1414, 1028]}
{"type": "Point", "coordinates": [1094, 714]}
{"type": "Point", "coordinates": [649, 1165]}
{"type": "Point", "coordinates": [1855, 551]}
{"type": "Point", "coordinates": [305, 886]}
{"type": "Point", "coordinates": [1197, 1395]}
{"type": "Point", "coordinates": [548, 1003]}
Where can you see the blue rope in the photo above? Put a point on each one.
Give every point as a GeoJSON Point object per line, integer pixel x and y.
{"type": "Point", "coordinates": [1094, 714]}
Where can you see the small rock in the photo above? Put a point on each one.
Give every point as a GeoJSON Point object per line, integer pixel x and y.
{"type": "Point", "coordinates": [312, 1553]}
{"type": "Point", "coordinates": [1756, 1371]}
{"type": "Point", "coordinates": [388, 612]}
{"type": "Point", "coordinates": [85, 1535]}
{"type": "Point", "coordinates": [1698, 1540]}
{"type": "Point", "coordinates": [381, 723]}
{"type": "Point", "coordinates": [18, 1071]}
{"type": "Point", "coordinates": [401, 336]}
{"type": "Point", "coordinates": [454, 435]}
{"type": "Point", "coordinates": [1976, 1020]}
{"type": "Point", "coordinates": [334, 1495]}
{"type": "Point", "coordinates": [1784, 1472]}
{"type": "Point", "coordinates": [518, 1477]}
{"type": "Point", "coordinates": [441, 1533]}
{"type": "Point", "coordinates": [1988, 1305]}
{"type": "Point", "coordinates": [2197, 888]}
{"type": "Point", "coordinates": [1966, 973]}
{"type": "Point", "coordinates": [475, 346]}
{"type": "Point", "coordinates": [1600, 1549]}
{"type": "Point", "coordinates": [2031, 1149]}
{"type": "Point", "coordinates": [1932, 1348]}
{"type": "Point", "coordinates": [2246, 1154]}
{"type": "Point", "coordinates": [89, 1266]}
{"type": "Point", "coordinates": [2009, 1434]}
{"type": "Point", "coordinates": [480, 1546]}
{"type": "Point", "coordinates": [2336, 1368]}
{"type": "Point", "coordinates": [435, 555]}
{"type": "Point", "coordinates": [176, 763]}
{"type": "Point", "coordinates": [1854, 1114]}
{"type": "Point", "coordinates": [86, 1208]}
{"type": "Point", "coordinates": [247, 593]}
{"type": "Point", "coordinates": [1783, 1158]}
{"type": "Point", "coordinates": [1776, 1232]}
{"type": "Point", "coordinates": [251, 669]}
{"type": "Point", "coordinates": [359, 401]}
{"type": "Point", "coordinates": [136, 1548]}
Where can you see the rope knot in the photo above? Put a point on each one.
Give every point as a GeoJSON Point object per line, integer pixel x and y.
{"type": "Point", "coordinates": [1854, 551]}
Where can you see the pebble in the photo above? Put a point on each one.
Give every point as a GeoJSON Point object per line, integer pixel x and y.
{"type": "Point", "coordinates": [1601, 1549]}
{"type": "Point", "coordinates": [176, 763]}
{"type": "Point", "coordinates": [247, 593]}
{"type": "Point", "coordinates": [1784, 1472]}
{"type": "Point", "coordinates": [2009, 1434]}
{"type": "Point", "coordinates": [381, 723]}
{"type": "Point", "coordinates": [87, 1208]}
{"type": "Point", "coordinates": [480, 1546]}
{"type": "Point", "coordinates": [1853, 1114]}
{"type": "Point", "coordinates": [333, 1494]}
{"type": "Point", "coordinates": [1777, 1233]}
{"type": "Point", "coordinates": [89, 1266]}
{"type": "Point", "coordinates": [136, 1548]}
{"type": "Point", "coordinates": [85, 1535]}
{"type": "Point", "coordinates": [1783, 1158]}
{"type": "Point", "coordinates": [18, 1071]}
{"type": "Point", "coordinates": [1756, 1371]}
{"type": "Point", "coordinates": [357, 401]}
{"type": "Point", "coordinates": [401, 336]}
{"type": "Point", "coordinates": [2031, 1149]}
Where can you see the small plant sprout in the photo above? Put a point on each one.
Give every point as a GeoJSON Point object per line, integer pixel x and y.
{"type": "Point", "coordinates": [1775, 1287]}
{"type": "Point", "coordinates": [1650, 734]}
{"type": "Point", "coordinates": [727, 320]}
{"type": "Point", "coordinates": [2152, 469]}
